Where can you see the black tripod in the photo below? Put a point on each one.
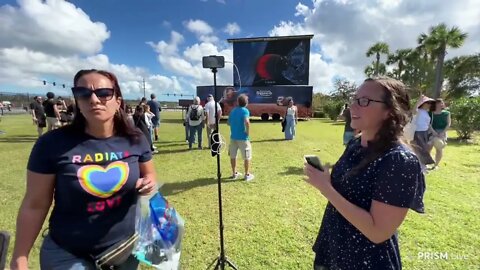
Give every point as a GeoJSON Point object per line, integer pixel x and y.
{"type": "Point", "coordinates": [221, 260]}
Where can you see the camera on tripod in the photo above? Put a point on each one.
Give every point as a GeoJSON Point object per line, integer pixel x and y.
{"type": "Point", "coordinates": [213, 61]}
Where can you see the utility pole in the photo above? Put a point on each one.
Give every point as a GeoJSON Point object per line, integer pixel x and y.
{"type": "Point", "coordinates": [144, 88]}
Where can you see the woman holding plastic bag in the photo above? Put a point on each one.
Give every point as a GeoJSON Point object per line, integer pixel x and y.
{"type": "Point", "coordinates": [95, 169]}
{"type": "Point", "coordinates": [160, 229]}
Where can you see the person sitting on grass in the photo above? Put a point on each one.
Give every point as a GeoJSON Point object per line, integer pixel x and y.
{"type": "Point", "coordinates": [372, 186]}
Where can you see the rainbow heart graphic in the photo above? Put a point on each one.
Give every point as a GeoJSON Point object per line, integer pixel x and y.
{"type": "Point", "coordinates": [103, 182]}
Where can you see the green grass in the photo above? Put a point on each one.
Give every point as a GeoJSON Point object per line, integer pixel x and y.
{"type": "Point", "coordinates": [271, 222]}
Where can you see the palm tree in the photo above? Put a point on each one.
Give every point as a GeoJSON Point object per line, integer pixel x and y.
{"type": "Point", "coordinates": [439, 39]}
{"type": "Point", "coordinates": [375, 69]}
{"type": "Point", "coordinates": [398, 57]}
{"type": "Point", "coordinates": [377, 49]}
{"type": "Point", "coordinates": [369, 70]}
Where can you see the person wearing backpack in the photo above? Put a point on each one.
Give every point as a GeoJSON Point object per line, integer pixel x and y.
{"type": "Point", "coordinates": [195, 117]}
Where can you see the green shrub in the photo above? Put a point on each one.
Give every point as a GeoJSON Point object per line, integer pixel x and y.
{"type": "Point", "coordinates": [319, 114]}
{"type": "Point", "coordinates": [333, 109]}
{"type": "Point", "coordinates": [465, 113]}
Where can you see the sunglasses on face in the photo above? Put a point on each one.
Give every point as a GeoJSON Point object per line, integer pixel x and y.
{"type": "Point", "coordinates": [84, 93]}
{"type": "Point", "coordinates": [364, 101]}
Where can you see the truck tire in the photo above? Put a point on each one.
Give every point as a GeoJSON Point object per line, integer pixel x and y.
{"type": "Point", "coordinates": [265, 116]}
{"type": "Point", "coordinates": [276, 117]}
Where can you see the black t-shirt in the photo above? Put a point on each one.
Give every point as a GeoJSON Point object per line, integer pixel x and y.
{"type": "Point", "coordinates": [48, 105]}
{"type": "Point", "coordinates": [70, 109]}
{"type": "Point", "coordinates": [348, 120]}
{"type": "Point", "coordinates": [395, 179]}
{"type": "Point", "coordinates": [95, 195]}
{"type": "Point", "coordinates": [37, 109]}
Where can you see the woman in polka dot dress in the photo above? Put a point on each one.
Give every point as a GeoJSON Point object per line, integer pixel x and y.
{"type": "Point", "coordinates": [371, 187]}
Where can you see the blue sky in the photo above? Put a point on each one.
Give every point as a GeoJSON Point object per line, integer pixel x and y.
{"type": "Point", "coordinates": [163, 40]}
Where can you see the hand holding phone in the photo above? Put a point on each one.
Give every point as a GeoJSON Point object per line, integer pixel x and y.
{"type": "Point", "coordinates": [314, 161]}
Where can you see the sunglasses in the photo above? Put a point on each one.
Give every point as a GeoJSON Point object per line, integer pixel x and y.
{"type": "Point", "coordinates": [364, 102]}
{"type": "Point", "coordinates": [84, 93]}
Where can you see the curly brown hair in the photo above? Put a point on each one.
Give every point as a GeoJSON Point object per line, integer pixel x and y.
{"type": "Point", "coordinates": [397, 101]}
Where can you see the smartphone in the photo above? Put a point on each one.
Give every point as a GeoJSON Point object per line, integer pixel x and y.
{"type": "Point", "coordinates": [314, 161]}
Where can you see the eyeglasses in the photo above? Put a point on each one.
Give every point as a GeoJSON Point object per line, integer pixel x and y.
{"type": "Point", "coordinates": [364, 102]}
{"type": "Point", "coordinates": [103, 94]}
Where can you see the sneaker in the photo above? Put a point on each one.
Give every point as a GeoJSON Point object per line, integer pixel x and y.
{"type": "Point", "coordinates": [155, 152]}
{"type": "Point", "coordinates": [236, 175]}
{"type": "Point", "coordinates": [249, 177]}
{"type": "Point", "coordinates": [154, 147]}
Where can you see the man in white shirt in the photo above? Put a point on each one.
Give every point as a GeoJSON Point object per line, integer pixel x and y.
{"type": "Point", "coordinates": [210, 111]}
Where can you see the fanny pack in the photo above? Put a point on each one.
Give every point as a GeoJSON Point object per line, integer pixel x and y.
{"type": "Point", "coordinates": [111, 258]}
{"type": "Point", "coordinates": [116, 255]}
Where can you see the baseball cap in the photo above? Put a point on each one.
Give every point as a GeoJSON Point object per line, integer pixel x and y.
{"type": "Point", "coordinates": [210, 95]}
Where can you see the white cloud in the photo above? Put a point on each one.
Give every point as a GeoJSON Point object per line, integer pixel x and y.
{"type": "Point", "coordinates": [232, 29]}
{"type": "Point", "coordinates": [202, 30]}
{"type": "Point", "coordinates": [344, 30]}
{"type": "Point", "coordinates": [221, 1]}
{"type": "Point", "coordinates": [170, 48]}
{"type": "Point", "coordinates": [195, 52]}
{"type": "Point", "coordinates": [35, 25]}
{"type": "Point", "coordinates": [198, 27]}
{"type": "Point", "coordinates": [302, 10]}
{"type": "Point", "coordinates": [34, 48]}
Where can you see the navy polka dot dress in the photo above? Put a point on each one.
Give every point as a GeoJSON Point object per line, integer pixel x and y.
{"type": "Point", "coordinates": [395, 178]}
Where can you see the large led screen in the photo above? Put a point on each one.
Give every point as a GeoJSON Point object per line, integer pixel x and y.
{"type": "Point", "coordinates": [272, 62]}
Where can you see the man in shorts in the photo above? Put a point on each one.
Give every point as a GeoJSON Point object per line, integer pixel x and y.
{"type": "Point", "coordinates": [38, 114]}
{"type": "Point", "coordinates": [155, 109]}
{"type": "Point", "coordinates": [239, 123]}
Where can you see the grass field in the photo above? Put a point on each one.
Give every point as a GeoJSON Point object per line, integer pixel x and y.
{"type": "Point", "coordinates": [271, 222]}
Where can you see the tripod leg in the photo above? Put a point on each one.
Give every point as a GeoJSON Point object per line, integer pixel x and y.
{"type": "Point", "coordinates": [230, 264]}
{"type": "Point", "coordinates": [216, 265]}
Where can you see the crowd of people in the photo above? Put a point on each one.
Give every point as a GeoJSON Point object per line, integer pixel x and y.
{"type": "Point", "coordinates": [96, 168]}
{"type": "Point", "coordinates": [51, 113]}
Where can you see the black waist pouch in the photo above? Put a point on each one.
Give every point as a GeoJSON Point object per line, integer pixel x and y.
{"type": "Point", "coordinates": [116, 255]}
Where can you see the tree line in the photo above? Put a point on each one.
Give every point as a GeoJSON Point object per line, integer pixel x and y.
{"type": "Point", "coordinates": [424, 70]}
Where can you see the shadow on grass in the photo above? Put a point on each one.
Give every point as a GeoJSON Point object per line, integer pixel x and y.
{"type": "Point", "coordinates": [292, 171]}
{"type": "Point", "coordinates": [173, 151]}
{"type": "Point", "coordinates": [456, 142]}
{"type": "Point", "coordinates": [171, 121]}
{"type": "Point", "coordinates": [268, 140]}
{"type": "Point", "coordinates": [163, 145]}
{"type": "Point", "coordinates": [179, 187]}
{"type": "Point", "coordinates": [19, 139]}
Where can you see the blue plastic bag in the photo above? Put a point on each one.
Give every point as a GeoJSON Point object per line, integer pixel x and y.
{"type": "Point", "coordinates": [160, 230]}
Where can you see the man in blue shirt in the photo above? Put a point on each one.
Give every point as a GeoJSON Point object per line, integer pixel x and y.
{"type": "Point", "coordinates": [155, 109]}
{"type": "Point", "coordinates": [239, 123]}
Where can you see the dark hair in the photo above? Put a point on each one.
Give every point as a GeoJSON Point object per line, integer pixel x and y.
{"type": "Point", "coordinates": [433, 107]}
{"type": "Point", "coordinates": [50, 95]}
{"type": "Point", "coordinates": [242, 100]}
{"type": "Point", "coordinates": [397, 101]}
{"type": "Point", "coordinates": [152, 96]}
{"type": "Point", "coordinates": [140, 108]}
{"type": "Point", "coordinates": [121, 124]}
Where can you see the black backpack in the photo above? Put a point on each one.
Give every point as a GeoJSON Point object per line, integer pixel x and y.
{"type": "Point", "coordinates": [194, 115]}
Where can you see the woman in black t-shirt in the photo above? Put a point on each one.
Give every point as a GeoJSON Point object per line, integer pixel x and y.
{"type": "Point", "coordinates": [94, 169]}
{"type": "Point", "coordinates": [371, 187]}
